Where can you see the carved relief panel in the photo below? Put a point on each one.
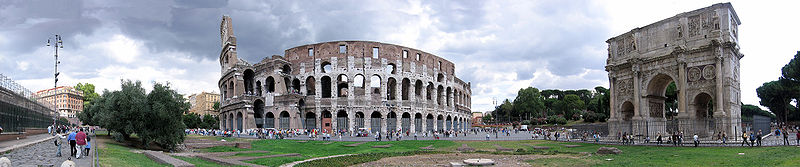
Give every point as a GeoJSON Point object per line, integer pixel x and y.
{"type": "Point", "coordinates": [656, 109]}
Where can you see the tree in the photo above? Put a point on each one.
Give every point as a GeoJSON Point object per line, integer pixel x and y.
{"type": "Point", "coordinates": [487, 118]}
{"type": "Point", "coordinates": [749, 110]}
{"type": "Point", "coordinates": [88, 96]}
{"type": "Point", "coordinates": [573, 106]}
{"type": "Point", "coordinates": [216, 106]}
{"type": "Point", "coordinates": [776, 96]}
{"type": "Point", "coordinates": [192, 120]}
{"type": "Point", "coordinates": [163, 124]}
{"type": "Point", "coordinates": [210, 121]}
{"type": "Point", "coordinates": [529, 102]}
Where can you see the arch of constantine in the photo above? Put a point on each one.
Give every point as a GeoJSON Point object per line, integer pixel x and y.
{"type": "Point", "coordinates": [698, 51]}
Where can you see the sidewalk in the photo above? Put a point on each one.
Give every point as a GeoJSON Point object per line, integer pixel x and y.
{"type": "Point", "coordinates": [11, 145]}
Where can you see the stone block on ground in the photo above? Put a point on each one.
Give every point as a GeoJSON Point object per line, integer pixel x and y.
{"type": "Point", "coordinates": [302, 141]}
{"type": "Point", "coordinates": [479, 162]}
{"type": "Point", "coordinates": [457, 164]}
{"type": "Point", "coordinates": [160, 157]}
{"type": "Point", "coordinates": [327, 143]}
{"type": "Point", "coordinates": [608, 150]}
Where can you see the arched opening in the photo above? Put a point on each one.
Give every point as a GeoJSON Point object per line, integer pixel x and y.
{"type": "Point", "coordinates": [258, 108]}
{"type": "Point", "coordinates": [439, 95]}
{"type": "Point", "coordinates": [359, 120]}
{"type": "Point", "coordinates": [296, 86]}
{"type": "Point", "coordinates": [418, 89]}
{"type": "Point", "coordinates": [429, 91]}
{"type": "Point", "coordinates": [449, 96]}
{"type": "Point", "coordinates": [406, 85]}
{"type": "Point", "coordinates": [341, 121]}
{"type": "Point", "coordinates": [429, 123]}
{"type": "Point", "coordinates": [270, 84]}
{"type": "Point", "coordinates": [703, 106]}
{"type": "Point", "coordinates": [269, 122]}
{"type": "Point", "coordinates": [418, 122]}
{"type": "Point", "coordinates": [286, 69]}
{"type": "Point", "coordinates": [391, 122]}
{"type": "Point", "coordinates": [358, 84]}
{"type": "Point", "coordinates": [326, 120]}
{"type": "Point", "coordinates": [224, 91]}
{"type": "Point", "coordinates": [390, 68]}
{"type": "Point", "coordinates": [326, 67]}
{"type": "Point", "coordinates": [656, 95]}
{"type": "Point", "coordinates": [439, 78]}
{"type": "Point", "coordinates": [310, 121]}
{"type": "Point", "coordinates": [375, 85]}
{"type": "Point", "coordinates": [326, 87]}
{"type": "Point", "coordinates": [375, 122]}
{"type": "Point", "coordinates": [239, 121]}
{"type": "Point", "coordinates": [310, 86]}
{"type": "Point", "coordinates": [248, 81]}
{"type": "Point", "coordinates": [288, 85]}
{"type": "Point", "coordinates": [258, 88]}
{"type": "Point", "coordinates": [231, 119]}
{"type": "Point", "coordinates": [405, 122]}
{"type": "Point", "coordinates": [284, 120]}
{"type": "Point", "coordinates": [391, 85]}
{"type": "Point", "coordinates": [342, 86]}
{"type": "Point", "coordinates": [231, 90]}
{"type": "Point", "coordinates": [449, 123]}
{"type": "Point", "coordinates": [440, 123]}
{"type": "Point", "coordinates": [627, 111]}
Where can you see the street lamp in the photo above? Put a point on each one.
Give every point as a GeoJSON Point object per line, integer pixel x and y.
{"type": "Point", "coordinates": [57, 43]}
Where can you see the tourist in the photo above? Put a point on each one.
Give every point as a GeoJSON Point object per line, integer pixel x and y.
{"type": "Point", "coordinates": [724, 137]}
{"type": "Point", "coordinates": [71, 139]}
{"type": "Point", "coordinates": [647, 139]}
{"type": "Point", "coordinates": [658, 138]}
{"type": "Point", "coordinates": [415, 135]}
{"type": "Point", "coordinates": [487, 136]}
{"type": "Point", "coordinates": [785, 137]}
{"type": "Point", "coordinates": [758, 138]}
{"type": "Point", "coordinates": [50, 130]}
{"type": "Point", "coordinates": [58, 143]}
{"type": "Point", "coordinates": [1, 129]}
{"type": "Point", "coordinates": [696, 141]}
{"type": "Point", "coordinates": [80, 140]}
{"type": "Point", "coordinates": [797, 135]}
{"type": "Point", "coordinates": [752, 139]}
{"type": "Point", "coordinates": [680, 139]}
{"type": "Point", "coordinates": [88, 146]}
{"type": "Point", "coordinates": [744, 138]}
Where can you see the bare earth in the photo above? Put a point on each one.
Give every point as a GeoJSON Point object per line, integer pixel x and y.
{"type": "Point", "coordinates": [445, 159]}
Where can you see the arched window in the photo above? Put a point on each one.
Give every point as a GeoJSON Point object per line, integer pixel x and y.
{"type": "Point", "coordinates": [326, 67]}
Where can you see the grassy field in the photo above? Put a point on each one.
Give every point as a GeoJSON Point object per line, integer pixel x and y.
{"type": "Point", "coordinates": [117, 155]}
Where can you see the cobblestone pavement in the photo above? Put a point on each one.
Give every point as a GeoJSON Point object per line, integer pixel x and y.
{"type": "Point", "coordinates": [44, 153]}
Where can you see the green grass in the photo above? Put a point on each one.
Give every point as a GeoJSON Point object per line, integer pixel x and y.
{"type": "Point", "coordinates": [312, 149]}
{"type": "Point", "coordinates": [116, 155]}
{"type": "Point", "coordinates": [359, 158]}
{"type": "Point", "coordinates": [563, 161]}
{"type": "Point", "coordinates": [198, 162]}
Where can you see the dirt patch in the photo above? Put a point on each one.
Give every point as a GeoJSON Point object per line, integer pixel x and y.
{"type": "Point", "coordinates": [445, 159]}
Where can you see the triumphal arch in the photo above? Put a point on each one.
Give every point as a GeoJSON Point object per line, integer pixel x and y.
{"type": "Point", "coordinates": [698, 51]}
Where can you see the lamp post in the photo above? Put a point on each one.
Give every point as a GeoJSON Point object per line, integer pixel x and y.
{"type": "Point", "coordinates": [57, 43]}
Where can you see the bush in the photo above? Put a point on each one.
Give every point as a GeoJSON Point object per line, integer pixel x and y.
{"type": "Point", "coordinates": [556, 119]}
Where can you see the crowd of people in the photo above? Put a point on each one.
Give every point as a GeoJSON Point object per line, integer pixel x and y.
{"type": "Point", "coordinates": [78, 138]}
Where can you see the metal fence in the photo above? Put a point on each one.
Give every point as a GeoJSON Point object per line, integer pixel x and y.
{"type": "Point", "coordinates": [703, 127]}
{"type": "Point", "coordinates": [14, 118]}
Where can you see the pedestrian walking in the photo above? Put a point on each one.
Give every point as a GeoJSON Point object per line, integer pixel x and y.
{"type": "Point", "coordinates": [658, 138]}
{"type": "Point", "coordinates": [696, 141]}
{"type": "Point", "coordinates": [724, 137]}
{"type": "Point", "coordinates": [71, 139]}
{"type": "Point", "coordinates": [80, 140]}
{"type": "Point", "coordinates": [88, 146]}
{"type": "Point", "coordinates": [58, 143]}
{"type": "Point", "coordinates": [785, 137]}
{"type": "Point", "coordinates": [744, 138]}
{"type": "Point", "coordinates": [752, 139]}
{"type": "Point", "coordinates": [758, 138]}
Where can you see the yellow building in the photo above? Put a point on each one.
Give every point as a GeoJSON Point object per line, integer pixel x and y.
{"type": "Point", "coordinates": [203, 103]}
{"type": "Point", "coordinates": [69, 101]}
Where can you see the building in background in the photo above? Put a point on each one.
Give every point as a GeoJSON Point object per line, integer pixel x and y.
{"type": "Point", "coordinates": [203, 103]}
{"type": "Point", "coordinates": [477, 117]}
{"type": "Point", "coordinates": [69, 101]}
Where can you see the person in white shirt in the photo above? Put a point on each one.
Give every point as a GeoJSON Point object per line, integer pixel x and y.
{"type": "Point", "coordinates": [695, 140]}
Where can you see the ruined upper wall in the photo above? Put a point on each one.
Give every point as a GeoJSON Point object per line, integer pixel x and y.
{"type": "Point", "coordinates": [685, 31]}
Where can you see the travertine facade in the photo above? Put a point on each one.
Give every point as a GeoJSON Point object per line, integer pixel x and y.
{"type": "Point", "coordinates": [341, 86]}
{"type": "Point", "coordinates": [697, 50]}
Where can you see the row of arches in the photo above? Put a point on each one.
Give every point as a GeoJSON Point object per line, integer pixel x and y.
{"type": "Point", "coordinates": [411, 122]}
{"type": "Point", "coordinates": [342, 84]}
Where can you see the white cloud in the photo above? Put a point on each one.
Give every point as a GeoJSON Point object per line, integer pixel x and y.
{"type": "Point", "coordinates": [23, 65]}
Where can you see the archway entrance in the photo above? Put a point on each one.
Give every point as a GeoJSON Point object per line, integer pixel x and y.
{"type": "Point", "coordinates": [342, 121]}
{"type": "Point", "coordinates": [326, 120]}
{"type": "Point", "coordinates": [311, 121]}
{"type": "Point", "coordinates": [418, 122]}
{"type": "Point", "coordinates": [703, 107]}
{"type": "Point", "coordinates": [405, 122]}
{"type": "Point", "coordinates": [258, 107]}
{"type": "Point", "coordinates": [284, 122]}
{"type": "Point", "coordinates": [429, 123]}
{"type": "Point", "coordinates": [239, 120]}
{"type": "Point", "coordinates": [391, 122]}
{"type": "Point", "coordinates": [269, 122]}
{"type": "Point", "coordinates": [375, 122]}
{"type": "Point", "coordinates": [359, 120]}
{"type": "Point", "coordinates": [656, 95]}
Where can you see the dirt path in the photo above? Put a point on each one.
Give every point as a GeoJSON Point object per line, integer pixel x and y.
{"type": "Point", "coordinates": [445, 159]}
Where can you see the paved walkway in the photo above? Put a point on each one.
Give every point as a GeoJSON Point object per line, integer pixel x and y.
{"type": "Point", "coordinates": [39, 150]}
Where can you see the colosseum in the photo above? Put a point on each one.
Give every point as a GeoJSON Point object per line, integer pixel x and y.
{"type": "Point", "coordinates": [341, 86]}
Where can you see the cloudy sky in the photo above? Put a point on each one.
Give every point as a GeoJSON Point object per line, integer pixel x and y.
{"type": "Point", "coordinates": [498, 46]}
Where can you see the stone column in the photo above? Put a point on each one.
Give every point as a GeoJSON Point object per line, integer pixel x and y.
{"type": "Point", "coordinates": [682, 100]}
{"type": "Point", "coordinates": [384, 120]}
{"type": "Point", "coordinates": [636, 91]}
{"type": "Point", "coordinates": [351, 117]}
{"type": "Point", "coordinates": [720, 110]}
{"type": "Point", "coordinates": [612, 93]}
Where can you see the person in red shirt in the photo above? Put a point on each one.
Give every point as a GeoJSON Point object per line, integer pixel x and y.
{"type": "Point", "coordinates": [80, 139]}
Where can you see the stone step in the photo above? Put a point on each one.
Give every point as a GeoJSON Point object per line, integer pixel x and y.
{"type": "Point", "coordinates": [160, 157]}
